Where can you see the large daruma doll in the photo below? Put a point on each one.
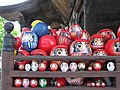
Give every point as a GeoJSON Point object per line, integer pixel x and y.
{"type": "Point", "coordinates": [80, 48]}
{"type": "Point", "coordinates": [113, 47]}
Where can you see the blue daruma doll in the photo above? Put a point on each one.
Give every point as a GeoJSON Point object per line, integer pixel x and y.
{"type": "Point", "coordinates": [40, 29]}
{"type": "Point", "coordinates": [29, 40]}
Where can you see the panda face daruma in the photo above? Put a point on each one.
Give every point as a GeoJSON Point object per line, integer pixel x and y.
{"type": "Point", "coordinates": [80, 48]}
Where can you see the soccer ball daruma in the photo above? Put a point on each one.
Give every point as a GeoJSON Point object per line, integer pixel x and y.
{"type": "Point", "coordinates": [40, 29]}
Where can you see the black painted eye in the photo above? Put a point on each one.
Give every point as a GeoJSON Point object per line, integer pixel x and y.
{"type": "Point", "coordinates": [79, 45]}
{"type": "Point", "coordinates": [59, 52]}
{"type": "Point", "coordinates": [108, 33]}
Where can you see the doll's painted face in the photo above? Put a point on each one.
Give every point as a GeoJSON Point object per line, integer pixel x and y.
{"type": "Point", "coordinates": [65, 33]}
{"type": "Point", "coordinates": [33, 83]}
{"type": "Point", "coordinates": [27, 67]}
{"type": "Point", "coordinates": [100, 53]}
{"type": "Point", "coordinates": [81, 66]}
{"type": "Point", "coordinates": [54, 66]}
{"type": "Point", "coordinates": [34, 66]}
{"type": "Point", "coordinates": [26, 82]}
{"type": "Point", "coordinates": [97, 42]}
{"type": "Point", "coordinates": [110, 66]}
{"type": "Point", "coordinates": [64, 67]}
{"type": "Point", "coordinates": [60, 52]}
{"type": "Point", "coordinates": [73, 66]}
{"type": "Point", "coordinates": [117, 46]}
{"type": "Point", "coordinates": [80, 49]}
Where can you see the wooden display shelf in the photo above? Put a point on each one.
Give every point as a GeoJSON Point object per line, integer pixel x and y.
{"type": "Point", "coordinates": [57, 74]}
{"type": "Point", "coordinates": [68, 58]}
{"type": "Point", "coordinates": [66, 88]}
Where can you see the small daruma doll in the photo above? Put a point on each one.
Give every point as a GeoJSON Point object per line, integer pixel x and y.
{"type": "Point", "coordinates": [100, 52]}
{"type": "Point", "coordinates": [97, 41]}
{"type": "Point", "coordinates": [113, 47]}
{"type": "Point", "coordinates": [26, 82]}
{"type": "Point", "coordinates": [33, 83]}
{"type": "Point", "coordinates": [73, 66]}
{"type": "Point", "coordinates": [80, 48]}
{"type": "Point", "coordinates": [64, 67]}
{"type": "Point", "coordinates": [75, 31]}
{"type": "Point", "coordinates": [53, 66]}
{"type": "Point", "coordinates": [64, 38]}
{"type": "Point", "coordinates": [43, 83]}
{"type": "Point", "coordinates": [18, 82]}
{"type": "Point", "coordinates": [85, 35]}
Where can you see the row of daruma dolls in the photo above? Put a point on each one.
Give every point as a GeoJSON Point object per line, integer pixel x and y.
{"type": "Point", "coordinates": [38, 65]}
{"type": "Point", "coordinates": [57, 82]}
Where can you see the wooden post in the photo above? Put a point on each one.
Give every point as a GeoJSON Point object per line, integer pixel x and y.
{"type": "Point", "coordinates": [7, 57]}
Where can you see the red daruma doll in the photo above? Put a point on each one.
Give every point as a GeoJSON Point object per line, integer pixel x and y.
{"type": "Point", "coordinates": [97, 41]}
{"type": "Point", "coordinates": [80, 48]}
{"type": "Point", "coordinates": [18, 82]}
{"type": "Point", "coordinates": [113, 47]}
{"type": "Point", "coordinates": [107, 34]}
{"type": "Point", "coordinates": [75, 31]}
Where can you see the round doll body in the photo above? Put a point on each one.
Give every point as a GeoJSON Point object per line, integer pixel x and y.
{"type": "Point", "coordinates": [73, 66]}
{"type": "Point", "coordinates": [18, 82]}
{"type": "Point", "coordinates": [34, 65]}
{"type": "Point", "coordinates": [80, 48]}
{"type": "Point", "coordinates": [97, 41]}
{"type": "Point", "coordinates": [75, 31]}
{"type": "Point", "coordinates": [43, 83]}
{"type": "Point", "coordinates": [26, 83]}
{"type": "Point", "coordinates": [29, 41]}
{"type": "Point", "coordinates": [113, 47]}
{"type": "Point", "coordinates": [33, 83]}
{"type": "Point", "coordinates": [64, 67]}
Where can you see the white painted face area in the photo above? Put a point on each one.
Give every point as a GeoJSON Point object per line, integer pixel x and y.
{"type": "Point", "coordinates": [11, 2]}
{"type": "Point", "coordinates": [34, 66]}
{"type": "Point", "coordinates": [73, 66]}
{"type": "Point", "coordinates": [111, 66]}
{"type": "Point", "coordinates": [25, 83]}
{"type": "Point", "coordinates": [64, 67]}
{"type": "Point", "coordinates": [27, 67]}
